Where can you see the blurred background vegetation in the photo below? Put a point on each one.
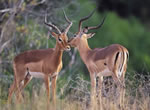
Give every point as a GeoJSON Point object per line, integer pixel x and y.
{"type": "Point", "coordinates": [21, 28]}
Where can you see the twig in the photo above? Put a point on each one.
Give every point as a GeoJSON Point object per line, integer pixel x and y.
{"type": "Point", "coordinates": [15, 10]}
{"type": "Point", "coordinates": [6, 10]}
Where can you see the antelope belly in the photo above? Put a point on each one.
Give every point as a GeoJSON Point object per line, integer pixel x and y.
{"type": "Point", "coordinates": [36, 74]}
{"type": "Point", "coordinates": [105, 72]}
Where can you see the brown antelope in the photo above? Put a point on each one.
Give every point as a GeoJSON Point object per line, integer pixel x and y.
{"type": "Point", "coordinates": [41, 63]}
{"type": "Point", "coordinates": [108, 61]}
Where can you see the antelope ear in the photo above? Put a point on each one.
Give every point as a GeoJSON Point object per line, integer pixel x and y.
{"type": "Point", "coordinates": [54, 34]}
{"type": "Point", "coordinates": [90, 35]}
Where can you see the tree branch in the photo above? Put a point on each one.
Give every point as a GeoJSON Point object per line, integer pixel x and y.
{"type": "Point", "coordinates": [15, 10]}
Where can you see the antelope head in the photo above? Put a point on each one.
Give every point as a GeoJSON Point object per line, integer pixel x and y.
{"type": "Point", "coordinates": [61, 37]}
{"type": "Point", "coordinates": [82, 35]}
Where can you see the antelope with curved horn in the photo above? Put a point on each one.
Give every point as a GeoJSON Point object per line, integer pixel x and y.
{"type": "Point", "coordinates": [41, 63]}
{"type": "Point", "coordinates": [108, 61]}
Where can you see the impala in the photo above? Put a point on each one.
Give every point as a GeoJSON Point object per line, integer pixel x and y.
{"type": "Point", "coordinates": [41, 63]}
{"type": "Point", "coordinates": [108, 61]}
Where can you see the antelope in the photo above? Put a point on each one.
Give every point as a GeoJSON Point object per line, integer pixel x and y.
{"type": "Point", "coordinates": [100, 62]}
{"type": "Point", "coordinates": [41, 63]}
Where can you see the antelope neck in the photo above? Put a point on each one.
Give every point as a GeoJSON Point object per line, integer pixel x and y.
{"type": "Point", "coordinates": [58, 51]}
{"type": "Point", "coordinates": [84, 49]}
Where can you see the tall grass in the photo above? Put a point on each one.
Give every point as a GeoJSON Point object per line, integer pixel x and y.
{"type": "Point", "coordinates": [75, 95]}
{"type": "Point", "coordinates": [38, 102]}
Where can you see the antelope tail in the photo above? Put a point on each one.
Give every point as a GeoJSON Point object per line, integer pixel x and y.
{"type": "Point", "coordinates": [121, 63]}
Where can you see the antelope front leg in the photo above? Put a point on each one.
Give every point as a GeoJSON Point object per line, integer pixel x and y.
{"type": "Point", "coordinates": [46, 80]}
{"type": "Point", "coordinates": [54, 90]}
{"type": "Point", "coordinates": [93, 91]}
{"type": "Point", "coordinates": [99, 91]}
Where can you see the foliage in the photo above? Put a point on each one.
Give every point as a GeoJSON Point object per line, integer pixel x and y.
{"type": "Point", "coordinates": [126, 8]}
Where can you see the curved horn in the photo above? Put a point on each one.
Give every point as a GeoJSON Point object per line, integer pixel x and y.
{"type": "Point", "coordinates": [85, 18]}
{"type": "Point", "coordinates": [51, 25]}
{"type": "Point", "coordinates": [98, 26]}
{"type": "Point", "coordinates": [70, 23]}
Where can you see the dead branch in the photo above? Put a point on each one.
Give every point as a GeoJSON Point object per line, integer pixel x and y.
{"type": "Point", "coordinates": [15, 10]}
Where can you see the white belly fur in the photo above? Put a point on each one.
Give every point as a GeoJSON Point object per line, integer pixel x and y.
{"type": "Point", "coordinates": [37, 74]}
{"type": "Point", "coordinates": [105, 72]}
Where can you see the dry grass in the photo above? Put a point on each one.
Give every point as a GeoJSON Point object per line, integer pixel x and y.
{"type": "Point", "coordinates": [76, 96]}
{"type": "Point", "coordinates": [39, 103]}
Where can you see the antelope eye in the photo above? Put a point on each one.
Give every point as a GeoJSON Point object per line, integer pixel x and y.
{"type": "Point", "coordinates": [60, 39]}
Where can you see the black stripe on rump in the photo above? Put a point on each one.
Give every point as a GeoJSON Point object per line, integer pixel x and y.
{"type": "Point", "coordinates": [117, 55]}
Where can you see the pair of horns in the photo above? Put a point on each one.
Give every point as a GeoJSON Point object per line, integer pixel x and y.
{"type": "Point", "coordinates": [55, 27]}
{"type": "Point", "coordinates": [92, 27]}
{"type": "Point", "coordinates": [80, 23]}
